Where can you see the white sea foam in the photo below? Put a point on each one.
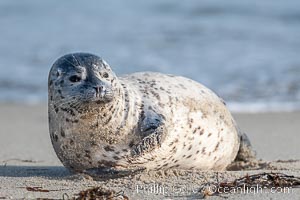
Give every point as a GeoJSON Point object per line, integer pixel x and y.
{"type": "Point", "coordinates": [261, 107]}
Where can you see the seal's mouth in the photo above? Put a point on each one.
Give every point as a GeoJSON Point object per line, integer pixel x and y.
{"type": "Point", "coordinates": [105, 98]}
{"type": "Point", "coordinates": [102, 94]}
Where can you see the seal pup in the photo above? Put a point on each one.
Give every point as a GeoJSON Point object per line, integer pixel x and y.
{"type": "Point", "coordinates": [103, 124]}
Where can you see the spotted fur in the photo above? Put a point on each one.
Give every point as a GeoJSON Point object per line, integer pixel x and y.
{"type": "Point", "coordinates": [99, 121]}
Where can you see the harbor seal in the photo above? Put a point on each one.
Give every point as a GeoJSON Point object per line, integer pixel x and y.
{"type": "Point", "coordinates": [103, 124]}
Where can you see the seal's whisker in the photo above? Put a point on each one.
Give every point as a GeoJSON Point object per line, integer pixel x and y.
{"type": "Point", "coordinates": [79, 64]}
{"type": "Point", "coordinates": [69, 62]}
{"type": "Point", "coordinates": [64, 102]}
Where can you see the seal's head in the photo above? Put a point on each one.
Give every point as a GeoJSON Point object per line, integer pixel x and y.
{"type": "Point", "coordinates": [81, 77]}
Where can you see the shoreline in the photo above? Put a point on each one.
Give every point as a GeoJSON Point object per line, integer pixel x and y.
{"type": "Point", "coordinates": [27, 158]}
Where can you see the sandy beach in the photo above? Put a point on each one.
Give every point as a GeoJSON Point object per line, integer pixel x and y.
{"type": "Point", "coordinates": [27, 159]}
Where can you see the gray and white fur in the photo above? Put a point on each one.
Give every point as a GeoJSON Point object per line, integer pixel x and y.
{"type": "Point", "coordinates": [103, 124]}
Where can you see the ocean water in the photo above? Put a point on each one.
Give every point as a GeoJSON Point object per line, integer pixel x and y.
{"type": "Point", "coordinates": [246, 51]}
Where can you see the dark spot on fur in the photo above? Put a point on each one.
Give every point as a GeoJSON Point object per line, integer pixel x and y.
{"type": "Point", "coordinates": [109, 148]}
{"type": "Point", "coordinates": [209, 135]}
{"type": "Point", "coordinates": [62, 133]}
{"type": "Point", "coordinates": [182, 86]}
{"type": "Point", "coordinates": [174, 149]}
{"type": "Point", "coordinates": [71, 142]}
{"type": "Point", "coordinates": [189, 156]}
{"type": "Point", "coordinates": [108, 120]}
{"type": "Point", "coordinates": [161, 105]}
{"type": "Point", "coordinates": [190, 147]}
{"type": "Point", "coordinates": [87, 156]}
{"type": "Point", "coordinates": [131, 143]}
{"type": "Point", "coordinates": [116, 158]}
{"type": "Point", "coordinates": [202, 132]}
{"type": "Point", "coordinates": [191, 138]}
{"type": "Point", "coordinates": [125, 150]}
{"type": "Point", "coordinates": [197, 151]}
{"type": "Point", "coordinates": [165, 165]}
{"type": "Point", "coordinates": [69, 111]}
{"type": "Point", "coordinates": [203, 150]}
{"type": "Point", "coordinates": [174, 142]}
{"type": "Point", "coordinates": [55, 137]}
{"type": "Point", "coordinates": [55, 108]}
{"type": "Point", "coordinates": [217, 146]}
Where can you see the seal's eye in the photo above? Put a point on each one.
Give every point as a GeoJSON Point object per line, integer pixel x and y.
{"type": "Point", "coordinates": [105, 75]}
{"type": "Point", "coordinates": [75, 78]}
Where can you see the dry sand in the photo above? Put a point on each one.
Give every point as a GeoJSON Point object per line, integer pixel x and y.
{"type": "Point", "coordinates": [27, 159]}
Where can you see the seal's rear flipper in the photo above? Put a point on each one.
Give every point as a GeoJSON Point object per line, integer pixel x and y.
{"type": "Point", "coordinates": [246, 152]}
{"type": "Point", "coordinates": [108, 173]}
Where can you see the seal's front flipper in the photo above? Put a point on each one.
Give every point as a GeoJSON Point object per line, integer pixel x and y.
{"type": "Point", "coordinates": [246, 152]}
{"type": "Point", "coordinates": [151, 131]}
{"type": "Point", "coordinates": [109, 173]}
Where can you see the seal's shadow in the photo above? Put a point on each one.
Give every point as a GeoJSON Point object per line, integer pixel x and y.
{"type": "Point", "coordinates": [34, 171]}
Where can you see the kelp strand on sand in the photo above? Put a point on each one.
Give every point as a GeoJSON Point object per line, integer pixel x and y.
{"type": "Point", "coordinates": [101, 193]}
{"type": "Point", "coordinates": [251, 182]}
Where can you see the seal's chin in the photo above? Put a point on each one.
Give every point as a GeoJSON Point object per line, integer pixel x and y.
{"type": "Point", "coordinates": [101, 100]}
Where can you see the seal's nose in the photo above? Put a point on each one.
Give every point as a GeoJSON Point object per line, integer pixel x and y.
{"type": "Point", "coordinates": [100, 90]}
